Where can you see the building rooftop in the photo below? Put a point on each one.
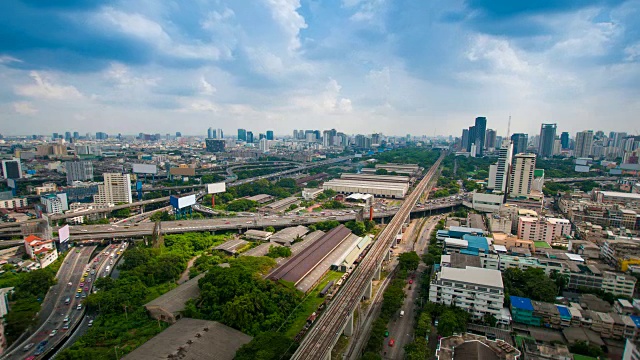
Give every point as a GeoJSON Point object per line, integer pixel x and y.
{"type": "Point", "coordinates": [477, 242]}
{"type": "Point", "coordinates": [629, 196]}
{"type": "Point", "coordinates": [473, 275]}
{"type": "Point", "coordinates": [521, 303]}
{"type": "Point", "coordinates": [474, 347]}
{"type": "Point", "coordinates": [174, 300]}
{"type": "Point", "coordinates": [191, 339]}
{"type": "Point", "coordinates": [465, 230]}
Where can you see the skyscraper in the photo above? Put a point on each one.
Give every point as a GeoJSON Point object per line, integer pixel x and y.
{"type": "Point", "coordinates": [261, 136]}
{"type": "Point", "coordinates": [472, 138]}
{"type": "Point", "coordinates": [250, 137]}
{"type": "Point", "coordinates": [584, 140]}
{"type": "Point", "coordinates": [499, 172]}
{"type": "Point", "coordinates": [481, 128]}
{"type": "Point", "coordinates": [79, 171]}
{"type": "Point", "coordinates": [564, 140]}
{"type": "Point", "coordinates": [295, 134]}
{"type": "Point", "coordinates": [210, 133]}
{"type": "Point", "coordinates": [519, 141]}
{"type": "Point", "coordinates": [521, 177]}
{"type": "Point", "coordinates": [547, 138]}
{"type": "Point", "coordinates": [264, 145]}
{"type": "Point", "coordinates": [242, 134]}
{"type": "Point", "coordinates": [464, 142]}
{"type": "Point", "coordinates": [269, 134]}
{"type": "Point", "coordinates": [490, 139]}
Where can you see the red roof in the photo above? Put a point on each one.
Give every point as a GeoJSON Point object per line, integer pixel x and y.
{"type": "Point", "coordinates": [30, 238]}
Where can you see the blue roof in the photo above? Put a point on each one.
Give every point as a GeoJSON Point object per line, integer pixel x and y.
{"type": "Point", "coordinates": [477, 242]}
{"type": "Point", "coordinates": [521, 303]}
{"type": "Point", "coordinates": [465, 230]}
{"type": "Point", "coordinates": [636, 320]}
{"type": "Point", "coordinates": [564, 311]}
{"type": "Point", "coordinates": [473, 252]}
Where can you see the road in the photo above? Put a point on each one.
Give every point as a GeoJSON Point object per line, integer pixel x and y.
{"type": "Point", "coordinates": [319, 341]}
{"type": "Point", "coordinates": [401, 329]}
{"type": "Point", "coordinates": [54, 305]}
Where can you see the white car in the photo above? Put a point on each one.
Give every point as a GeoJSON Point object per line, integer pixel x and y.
{"type": "Point", "coordinates": [53, 332]}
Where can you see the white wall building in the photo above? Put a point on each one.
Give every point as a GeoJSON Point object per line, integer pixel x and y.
{"type": "Point", "coordinates": [55, 203]}
{"type": "Point", "coordinates": [487, 202]}
{"type": "Point", "coordinates": [478, 291]}
{"type": "Point", "coordinates": [521, 177]}
{"type": "Point", "coordinates": [46, 188]}
{"type": "Point", "coordinates": [115, 189]}
{"type": "Point", "coordinates": [549, 230]}
{"type": "Point", "coordinates": [584, 141]}
{"type": "Point", "coordinates": [499, 172]}
{"type": "Point", "coordinates": [311, 193]}
{"type": "Point", "coordinates": [13, 203]}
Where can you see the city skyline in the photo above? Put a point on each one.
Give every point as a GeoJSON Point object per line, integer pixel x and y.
{"type": "Point", "coordinates": [281, 65]}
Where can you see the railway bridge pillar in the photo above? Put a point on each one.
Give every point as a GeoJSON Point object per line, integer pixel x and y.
{"type": "Point", "coordinates": [369, 291]}
{"type": "Point", "coordinates": [349, 328]}
{"type": "Point", "coordinates": [376, 275]}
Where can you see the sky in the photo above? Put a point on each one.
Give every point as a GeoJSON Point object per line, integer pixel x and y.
{"type": "Point", "coordinates": [360, 66]}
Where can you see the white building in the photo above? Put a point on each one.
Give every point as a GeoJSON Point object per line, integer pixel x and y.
{"type": "Point", "coordinates": [487, 202]}
{"type": "Point", "coordinates": [499, 172]}
{"type": "Point", "coordinates": [13, 203]}
{"type": "Point", "coordinates": [42, 251]}
{"type": "Point", "coordinates": [264, 145]}
{"type": "Point", "coordinates": [549, 230]}
{"type": "Point", "coordinates": [116, 189]}
{"type": "Point", "coordinates": [478, 291]}
{"type": "Point", "coordinates": [55, 203]}
{"type": "Point", "coordinates": [11, 169]}
{"type": "Point", "coordinates": [311, 193]}
{"type": "Point", "coordinates": [46, 188]}
{"type": "Point", "coordinates": [584, 141]}
{"type": "Point", "coordinates": [521, 178]}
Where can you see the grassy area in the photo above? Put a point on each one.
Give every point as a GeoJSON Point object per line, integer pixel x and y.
{"type": "Point", "coordinates": [340, 347]}
{"type": "Point", "coordinates": [310, 304]}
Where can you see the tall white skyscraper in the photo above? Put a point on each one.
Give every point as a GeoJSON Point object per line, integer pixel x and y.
{"type": "Point", "coordinates": [115, 189]}
{"type": "Point", "coordinates": [499, 172]}
{"type": "Point", "coordinates": [521, 177]}
{"type": "Point", "coordinates": [584, 141]}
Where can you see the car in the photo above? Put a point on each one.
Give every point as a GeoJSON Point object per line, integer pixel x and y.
{"type": "Point", "coordinates": [77, 251]}
{"type": "Point", "coordinates": [227, 222]}
{"type": "Point", "coordinates": [96, 259]}
{"type": "Point", "coordinates": [410, 281]}
{"type": "Point", "coordinates": [32, 357]}
{"type": "Point", "coordinates": [274, 220]}
{"type": "Point", "coordinates": [28, 347]}
{"type": "Point", "coordinates": [82, 280]}
{"type": "Point", "coordinates": [53, 332]}
{"type": "Point", "coordinates": [77, 295]}
{"type": "Point", "coordinates": [435, 323]}
{"type": "Point", "coordinates": [66, 319]}
{"type": "Point", "coordinates": [79, 307]}
{"type": "Point", "coordinates": [84, 295]}
{"type": "Point", "coordinates": [67, 300]}
{"type": "Point", "coordinates": [392, 342]}
{"type": "Point", "coordinates": [249, 222]}
{"type": "Point", "coordinates": [93, 271]}
{"type": "Point", "coordinates": [85, 274]}
{"type": "Point", "coordinates": [81, 284]}
{"type": "Point", "coordinates": [89, 280]}
{"type": "Point", "coordinates": [386, 333]}
{"type": "Point", "coordinates": [79, 290]}
{"type": "Point", "coordinates": [86, 288]}
{"type": "Point", "coordinates": [90, 323]}
{"type": "Point", "coordinates": [70, 283]}
{"type": "Point", "coordinates": [65, 327]}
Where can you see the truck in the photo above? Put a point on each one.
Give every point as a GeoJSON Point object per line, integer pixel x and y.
{"type": "Point", "coordinates": [401, 313]}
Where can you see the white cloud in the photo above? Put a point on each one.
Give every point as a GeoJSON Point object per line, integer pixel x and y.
{"type": "Point", "coordinates": [44, 88]}
{"type": "Point", "coordinates": [327, 101]}
{"type": "Point", "coordinates": [205, 87]}
{"type": "Point", "coordinates": [632, 52]}
{"type": "Point", "coordinates": [6, 59]}
{"type": "Point", "coordinates": [199, 105]}
{"type": "Point", "coordinates": [122, 76]}
{"type": "Point", "coordinates": [24, 108]}
{"type": "Point", "coordinates": [286, 14]}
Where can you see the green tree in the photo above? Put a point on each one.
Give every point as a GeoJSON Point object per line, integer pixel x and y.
{"type": "Point", "coordinates": [161, 216]}
{"type": "Point", "coordinates": [312, 184]}
{"type": "Point", "coordinates": [278, 252]}
{"type": "Point", "coordinates": [267, 346]}
{"type": "Point", "coordinates": [409, 260]}
{"type": "Point", "coordinates": [270, 229]}
{"type": "Point", "coordinates": [382, 172]}
{"type": "Point", "coordinates": [583, 348]}
{"type": "Point", "coordinates": [417, 350]}
{"type": "Point", "coordinates": [241, 205]}
{"type": "Point", "coordinates": [489, 320]}
{"type": "Point", "coordinates": [357, 227]}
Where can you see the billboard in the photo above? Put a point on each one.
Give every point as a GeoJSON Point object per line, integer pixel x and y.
{"type": "Point", "coordinates": [182, 202]}
{"type": "Point", "coordinates": [182, 171]}
{"type": "Point", "coordinates": [216, 188]}
{"type": "Point", "coordinates": [145, 169]}
{"type": "Point", "coordinates": [63, 234]}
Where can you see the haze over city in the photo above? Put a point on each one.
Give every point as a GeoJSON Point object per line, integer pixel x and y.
{"type": "Point", "coordinates": [358, 65]}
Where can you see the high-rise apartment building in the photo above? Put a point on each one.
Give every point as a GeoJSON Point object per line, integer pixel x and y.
{"type": "Point", "coordinates": [215, 145]}
{"type": "Point", "coordinates": [250, 137]}
{"type": "Point", "coordinates": [520, 143]}
{"type": "Point", "coordinates": [547, 138]}
{"type": "Point", "coordinates": [543, 229]}
{"type": "Point", "coordinates": [481, 128]}
{"type": "Point", "coordinates": [12, 169]}
{"type": "Point", "coordinates": [116, 189]}
{"type": "Point", "coordinates": [55, 203]}
{"type": "Point", "coordinates": [499, 172]}
{"type": "Point", "coordinates": [584, 141]}
{"type": "Point", "coordinates": [264, 145]}
{"type": "Point", "coordinates": [79, 171]}
{"type": "Point", "coordinates": [490, 139]}
{"type": "Point", "coordinates": [522, 172]}
{"type": "Point", "coordinates": [564, 140]}
{"type": "Point", "coordinates": [270, 135]}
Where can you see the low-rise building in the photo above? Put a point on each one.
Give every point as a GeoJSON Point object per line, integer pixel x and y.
{"type": "Point", "coordinates": [42, 251]}
{"type": "Point", "coordinates": [478, 291]}
{"type": "Point", "coordinates": [311, 193]}
{"type": "Point", "coordinates": [46, 188]}
{"type": "Point", "coordinates": [55, 203]}
{"type": "Point", "coordinates": [549, 230]}
{"type": "Point", "coordinates": [487, 202]}
{"type": "Point", "coordinates": [258, 235]}
{"type": "Point", "coordinates": [14, 203]}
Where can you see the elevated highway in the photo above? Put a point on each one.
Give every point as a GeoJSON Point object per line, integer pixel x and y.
{"type": "Point", "coordinates": [582, 179]}
{"type": "Point", "coordinates": [338, 316]}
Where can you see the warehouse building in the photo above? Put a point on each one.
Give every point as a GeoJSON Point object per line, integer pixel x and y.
{"type": "Point", "coordinates": [281, 205]}
{"type": "Point", "coordinates": [258, 235]}
{"type": "Point", "coordinates": [389, 190]}
{"type": "Point", "coordinates": [288, 235]}
{"type": "Point", "coordinates": [408, 169]}
{"type": "Point", "coordinates": [349, 257]}
{"type": "Point", "coordinates": [376, 178]}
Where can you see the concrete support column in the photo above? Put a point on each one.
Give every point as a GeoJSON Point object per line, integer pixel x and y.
{"type": "Point", "coordinates": [376, 275]}
{"type": "Point", "coordinates": [387, 257]}
{"type": "Point", "coordinates": [328, 356]}
{"type": "Point", "coordinates": [369, 291]}
{"type": "Point", "coordinates": [349, 329]}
